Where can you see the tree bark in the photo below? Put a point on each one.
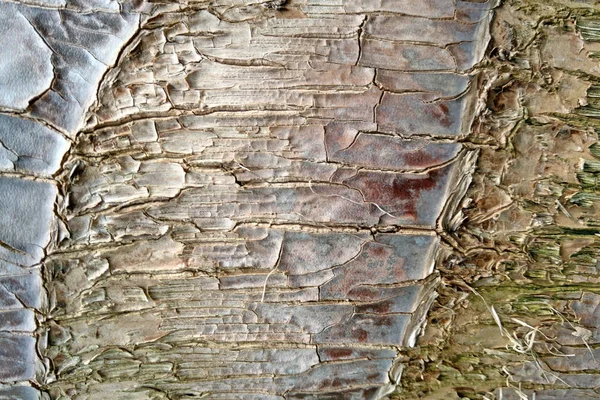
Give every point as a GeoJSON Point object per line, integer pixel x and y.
{"type": "Point", "coordinates": [248, 199]}
{"type": "Point", "coordinates": [517, 315]}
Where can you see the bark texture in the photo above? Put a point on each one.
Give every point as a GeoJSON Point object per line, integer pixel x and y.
{"type": "Point", "coordinates": [252, 206]}
{"type": "Point", "coordinates": [246, 199]}
{"type": "Point", "coordinates": [517, 315]}
{"type": "Point", "coordinates": [228, 199]}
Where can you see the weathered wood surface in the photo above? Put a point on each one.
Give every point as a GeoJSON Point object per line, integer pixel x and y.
{"type": "Point", "coordinates": [228, 199]}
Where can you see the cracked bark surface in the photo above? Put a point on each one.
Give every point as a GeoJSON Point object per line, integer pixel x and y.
{"type": "Point", "coordinates": [228, 199]}
{"type": "Point", "coordinates": [529, 246]}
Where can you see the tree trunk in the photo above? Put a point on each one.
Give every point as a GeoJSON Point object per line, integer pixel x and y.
{"type": "Point", "coordinates": [262, 200]}
{"type": "Point", "coordinates": [517, 314]}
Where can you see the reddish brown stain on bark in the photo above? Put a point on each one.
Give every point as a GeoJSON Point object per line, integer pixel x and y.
{"type": "Point", "coordinates": [409, 190]}
{"type": "Point", "coordinates": [338, 353]}
{"type": "Point", "coordinates": [361, 335]}
{"type": "Point", "coordinates": [442, 115]}
{"type": "Point", "coordinates": [421, 159]}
